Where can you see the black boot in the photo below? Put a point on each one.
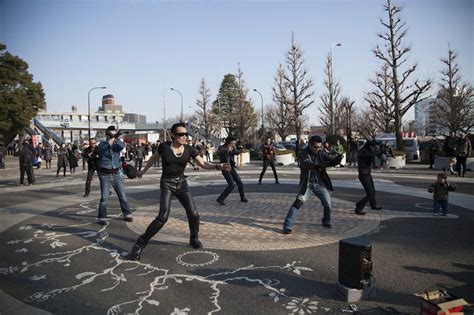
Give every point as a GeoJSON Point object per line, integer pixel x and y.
{"type": "Point", "coordinates": [195, 243]}
{"type": "Point", "coordinates": [194, 232]}
{"type": "Point", "coordinates": [137, 249]}
{"type": "Point", "coordinates": [88, 190]}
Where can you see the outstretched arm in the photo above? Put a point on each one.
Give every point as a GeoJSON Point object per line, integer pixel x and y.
{"type": "Point", "coordinates": [209, 166]}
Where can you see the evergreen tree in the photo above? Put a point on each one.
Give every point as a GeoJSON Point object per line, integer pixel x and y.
{"type": "Point", "coordinates": [20, 97]}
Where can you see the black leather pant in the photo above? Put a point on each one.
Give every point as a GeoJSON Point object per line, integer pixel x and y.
{"type": "Point", "coordinates": [265, 165]}
{"type": "Point", "coordinates": [90, 174]}
{"type": "Point", "coordinates": [232, 177]}
{"type": "Point", "coordinates": [173, 187]}
{"type": "Point", "coordinates": [367, 182]}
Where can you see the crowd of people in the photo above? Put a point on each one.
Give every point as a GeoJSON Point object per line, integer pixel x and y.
{"type": "Point", "coordinates": [457, 149]}
{"type": "Point", "coordinates": [108, 157]}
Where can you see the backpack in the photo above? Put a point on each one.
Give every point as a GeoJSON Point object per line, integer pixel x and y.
{"type": "Point", "coordinates": [129, 170]}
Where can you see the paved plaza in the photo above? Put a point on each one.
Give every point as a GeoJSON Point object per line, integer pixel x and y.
{"type": "Point", "coordinates": [57, 260]}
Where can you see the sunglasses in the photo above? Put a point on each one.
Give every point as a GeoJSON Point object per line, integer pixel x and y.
{"type": "Point", "coordinates": [181, 134]}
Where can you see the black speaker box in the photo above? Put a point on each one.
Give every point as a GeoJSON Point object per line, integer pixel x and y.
{"type": "Point", "coordinates": [355, 262]}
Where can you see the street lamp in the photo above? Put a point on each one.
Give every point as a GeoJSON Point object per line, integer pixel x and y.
{"type": "Point", "coordinates": [89, 106]}
{"type": "Point", "coordinates": [331, 89]}
{"type": "Point", "coordinates": [261, 98]}
{"type": "Point", "coordinates": [181, 95]}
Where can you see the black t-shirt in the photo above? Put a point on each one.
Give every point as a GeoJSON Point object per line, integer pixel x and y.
{"type": "Point", "coordinates": [174, 166]}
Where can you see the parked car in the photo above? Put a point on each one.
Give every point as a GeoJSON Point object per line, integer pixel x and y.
{"type": "Point", "coordinates": [412, 149]}
{"type": "Point", "coordinates": [280, 147]}
{"type": "Point", "coordinates": [289, 145]}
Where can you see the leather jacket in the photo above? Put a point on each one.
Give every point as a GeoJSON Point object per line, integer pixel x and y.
{"type": "Point", "coordinates": [310, 161]}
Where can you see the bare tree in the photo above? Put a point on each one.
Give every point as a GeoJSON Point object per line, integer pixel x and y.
{"type": "Point", "coordinates": [394, 53]}
{"type": "Point", "coordinates": [379, 102]}
{"type": "Point", "coordinates": [204, 115]}
{"type": "Point", "coordinates": [331, 112]}
{"type": "Point", "coordinates": [278, 114]}
{"type": "Point", "coordinates": [363, 123]}
{"type": "Point", "coordinates": [300, 94]}
{"type": "Point", "coordinates": [454, 106]}
{"type": "Point", "coordinates": [349, 115]}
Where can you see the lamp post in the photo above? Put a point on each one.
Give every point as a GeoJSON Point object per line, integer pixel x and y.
{"type": "Point", "coordinates": [261, 98]}
{"type": "Point", "coordinates": [89, 107]}
{"type": "Point", "coordinates": [349, 119]}
{"type": "Point", "coordinates": [331, 89]}
{"type": "Point", "coordinates": [181, 95]}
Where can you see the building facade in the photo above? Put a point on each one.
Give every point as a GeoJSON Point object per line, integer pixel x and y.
{"type": "Point", "coordinates": [73, 126]}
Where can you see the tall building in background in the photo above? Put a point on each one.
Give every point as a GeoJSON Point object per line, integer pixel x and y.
{"type": "Point", "coordinates": [423, 117]}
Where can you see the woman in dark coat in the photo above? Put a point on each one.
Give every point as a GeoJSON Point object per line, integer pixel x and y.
{"type": "Point", "coordinates": [62, 159]}
{"type": "Point", "coordinates": [71, 155]}
{"type": "Point", "coordinates": [47, 155]}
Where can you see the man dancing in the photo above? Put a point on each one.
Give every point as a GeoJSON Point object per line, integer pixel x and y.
{"type": "Point", "coordinates": [313, 177]}
{"type": "Point", "coordinates": [226, 153]}
{"type": "Point", "coordinates": [174, 155]}
{"type": "Point", "coordinates": [365, 157]}
{"type": "Point", "coordinates": [268, 154]}
{"type": "Point", "coordinates": [91, 154]}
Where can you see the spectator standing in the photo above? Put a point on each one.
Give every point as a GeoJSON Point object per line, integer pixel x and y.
{"type": "Point", "coordinates": [386, 152]}
{"type": "Point", "coordinates": [47, 155]}
{"type": "Point", "coordinates": [450, 149]}
{"type": "Point", "coordinates": [353, 148]}
{"type": "Point", "coordinates": [463, 151]}
{"type": "Point", "coordinates": [39, 155]}
{"type": "Point", "coordinates": [91, 153]}
{"type": "Point", "coordinates": [63, 161]}
{"type": "Point", "coordinates": [27, 154]}
{"type": "Point", "coordinates": [207, 149]}
{"type": "Point", "coordinates": [434, 148]}
{"type": "Point", "coordinates": [72, 158]}
{"type": "Point", "coordinates": [338, 149]}
{"type": "Point", "coordinates": [2, 156]}
{"type": "Point", "coordinates": [85, 145]}
{"type": "Point", "coordinates": [240, 148]}
{"type": "Point", "coordinates": [138, 154]}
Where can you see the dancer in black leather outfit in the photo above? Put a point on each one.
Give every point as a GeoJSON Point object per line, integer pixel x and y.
{"type": "Point", "coordinates": [365, 157]}
{"type": "Point", "coordinates": [175, 155]}
{"type": "Point", "coordinates": [226, 153]}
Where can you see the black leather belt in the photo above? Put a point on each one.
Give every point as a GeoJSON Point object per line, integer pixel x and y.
{"type": "Point", "coordinates": [108, 170]}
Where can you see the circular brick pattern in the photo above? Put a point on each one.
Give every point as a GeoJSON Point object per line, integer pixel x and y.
{"type": "Point", "coordinates": [257, 225]}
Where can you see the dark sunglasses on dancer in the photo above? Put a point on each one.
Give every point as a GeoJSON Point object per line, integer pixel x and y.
{"type": "Point", "coordinates": [181, 134]}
